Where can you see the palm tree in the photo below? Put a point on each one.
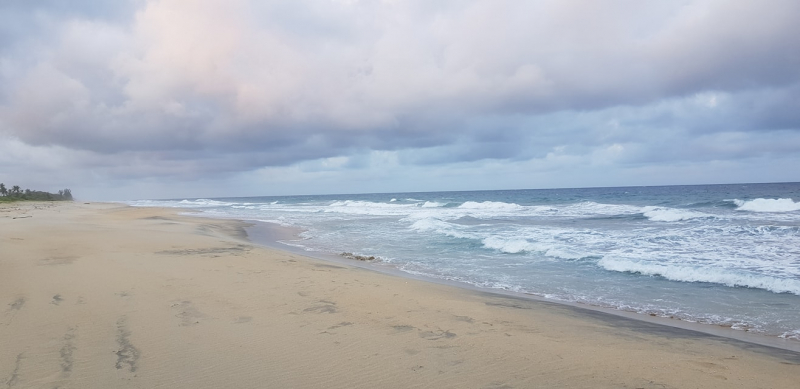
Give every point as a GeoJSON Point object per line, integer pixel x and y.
{"type": "Point", "coordinates": [3, 190]}
{"type": "Point", "coordinates": [15, 190]}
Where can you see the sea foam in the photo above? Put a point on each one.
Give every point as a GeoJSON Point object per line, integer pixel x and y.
{"type": "Point", "coordinates": [710, 274]}
{"type": "Point", "coordinates": [767, 205]}
{"type": "Point", "coordinates": [641, 249]}
{"type": "Point", "coordinates": [509, 246]}
{"type": "Point", "coordinates": [663, 214]}
{"type": "Point", "coordinates": [489, 207]}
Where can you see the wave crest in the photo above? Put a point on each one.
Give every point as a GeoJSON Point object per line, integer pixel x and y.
{"type": "Point", "coordinates": [508, 246]}
{"type": "Point", "coordinates": [767, 205]}
{"type": "Point", "coordinates": [491, 205]}
{"type": "Point", "coordinates": [662, 214]}
{"type": "Point", "coordinates": [713, 275]}
{"type": "Point", "coordinates": [521, 245]}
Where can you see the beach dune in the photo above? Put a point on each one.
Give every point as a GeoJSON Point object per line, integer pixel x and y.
{"type": "Point", "coordinates": [106, 295]}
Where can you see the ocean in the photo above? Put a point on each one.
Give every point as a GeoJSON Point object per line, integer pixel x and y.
{"type": "Point", "coordinates": [726, 255]}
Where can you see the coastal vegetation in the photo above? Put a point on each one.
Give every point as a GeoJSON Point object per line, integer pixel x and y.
{"type": "Point", "coordinates": [15, 193]}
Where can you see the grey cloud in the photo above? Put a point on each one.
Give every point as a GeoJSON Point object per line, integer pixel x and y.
{"type": "Point", "coordinates": [187, 89]}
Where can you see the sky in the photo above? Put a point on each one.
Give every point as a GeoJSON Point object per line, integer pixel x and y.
{"type": "Point", "coordinates": [145, 99]}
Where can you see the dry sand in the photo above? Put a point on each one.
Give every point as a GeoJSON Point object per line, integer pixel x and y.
{"type": "Point", "coordinates": [108, 296]}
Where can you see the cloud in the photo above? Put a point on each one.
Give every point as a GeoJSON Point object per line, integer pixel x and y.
{"type": "Point", "coordinates": [190, 89]}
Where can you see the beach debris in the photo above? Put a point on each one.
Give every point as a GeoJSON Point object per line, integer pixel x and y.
{"type": "Point", "coordinates": [357, 257]}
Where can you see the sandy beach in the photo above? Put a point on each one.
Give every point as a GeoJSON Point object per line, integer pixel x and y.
{"type": "Point", "coordinates": [105, 295]}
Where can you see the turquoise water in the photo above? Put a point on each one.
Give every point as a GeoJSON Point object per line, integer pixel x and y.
{"type": "Point", "coordinates": [718, 254]}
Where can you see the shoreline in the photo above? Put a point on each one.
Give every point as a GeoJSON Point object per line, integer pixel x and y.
{"type": "Point", "coordinates": [270, 235]}
{"type": "Point", "coordinates": [107, 295]}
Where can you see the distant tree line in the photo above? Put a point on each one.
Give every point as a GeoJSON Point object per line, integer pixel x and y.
{"type": "Point", "coordinates": [16, 193]}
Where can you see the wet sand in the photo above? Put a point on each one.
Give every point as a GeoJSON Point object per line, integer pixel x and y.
{"type": "Point", "coordinates": [104, 295]}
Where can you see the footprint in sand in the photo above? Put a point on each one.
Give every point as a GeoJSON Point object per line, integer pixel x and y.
{"type": "Point", "coordinates": [324, 307]}
{"type": "Point", "coordinates": [188, 313]}
{"type": "Point", "coordinates": [66, 352]}
{"type": "Point", "coordinates": [436, 335]}
{"type": "Point", "coordinates": [404, 328]}
{"type": "Point", "coordinates": [14, 379]}
{"type": "Point", "coordinates": [342, 324]}
{"type": "Point", "coordinates": [127, 354]}
{"type": "Point", "coordinates": [16, 305]}
{"type": "Point", "coordinates": [59, 260]}
{"type": "Point", "coordinates": [498, 385]}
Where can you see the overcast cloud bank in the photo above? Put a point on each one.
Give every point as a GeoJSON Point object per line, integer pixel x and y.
{"type": "Point", "coordinates": [209, 98]}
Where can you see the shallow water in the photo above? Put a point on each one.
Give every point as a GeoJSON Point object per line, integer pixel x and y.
{"type": "Point", "coordinates": [719, 254]}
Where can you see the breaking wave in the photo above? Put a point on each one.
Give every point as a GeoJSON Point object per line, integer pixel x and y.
{"type": "Point", "coordinates": [716, 275]}
{"type": "Point", "coordinates": [662, 214]}
{"type": "Point", "coordinates": [767, 205]}
{"type": "Point", "coordinates": [520, 245]}
{"type": "Point", "coordinates": [491, 205]}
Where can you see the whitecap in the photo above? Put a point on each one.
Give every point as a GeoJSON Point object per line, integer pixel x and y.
{"type": "Point", "coordinates": [663, 214]}
{"type": "Point", "coordinates": [430, 224]}
{"type": "Point", "coordinates": [206, 203]}
{"type": "Point", "coordinates": [591, 208]}
{"type": "Point", "coordinates": [715, 274]}
{"type": "Point", "coordinates": [508, 245]}
{"type": "Point", "coordinates": [198, 203]}
{"type": "Point", "coordinates": [491, 205]}
{"type": "Point", "coordinates": [369, 208]}
{"type": "Point", "coordinates": [794, 335]}
{"type": "Point", "coordinates": [767, 205]}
